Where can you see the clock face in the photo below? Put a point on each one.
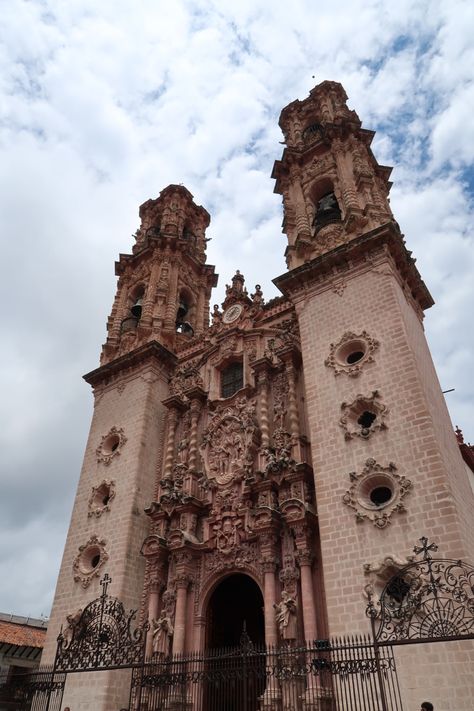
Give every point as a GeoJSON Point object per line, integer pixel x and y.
{"type": "Point", "coordinates": [232, 313]}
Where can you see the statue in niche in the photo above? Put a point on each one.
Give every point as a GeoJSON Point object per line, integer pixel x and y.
{"type": "Point", "coordinates": [286, 615]}
{"type": "Point", "coordinates": [162, 634]}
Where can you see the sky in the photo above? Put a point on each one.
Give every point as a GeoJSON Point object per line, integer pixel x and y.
{"type": "Point", "coordinates": [103, 104]}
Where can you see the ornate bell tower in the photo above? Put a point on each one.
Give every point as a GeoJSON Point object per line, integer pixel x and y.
{"type": "Point", "coordinates": [333, 188]}
{"type": "Point", "coordinates": [161, 306]}
{"type": "Point", "coordinates": [164, 286]}
{"type": "Point", "coordinates": [386, 464]}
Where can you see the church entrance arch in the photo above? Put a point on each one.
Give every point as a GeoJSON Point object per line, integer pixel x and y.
{"type": "Point", "coordinates": [235, 606]}
{"type": "Point", "coordinates": [235, 639]}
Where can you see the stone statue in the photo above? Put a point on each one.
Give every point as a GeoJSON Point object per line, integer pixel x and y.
{"type": "Point", "coordinates": [162, 633]}
{"type": "Point", "coordinates": [286, 615]}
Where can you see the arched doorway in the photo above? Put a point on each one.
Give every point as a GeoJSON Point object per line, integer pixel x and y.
{"type": "Point", "coordinates": [236, 604]}
{"type": "Point", "coordinates": [235, 635]}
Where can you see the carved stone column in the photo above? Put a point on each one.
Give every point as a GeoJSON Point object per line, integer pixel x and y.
{"type": "Point", "coordinates": [272, 691]}
{"type": "Point", "coordinates": [305, 559]}
{"type": "Point", "coordinates": [172, 306]}
{"type": "Point", "coordinates": [150, 296]}
{"type": "Point", "coordinates": [291, 357]}
{"type": "Point", "coordinates": [179, 639]}
{"type": "Point", "coordinates": [271, 634]}
{"type": "Point", "coordinates": [174, 405]}
{"type": "Point", "coordinates": [261, 368]}
{"type": "Point", "coordinates": [118, 312]}
{"type": "Point", "coordinates": [153, 607]}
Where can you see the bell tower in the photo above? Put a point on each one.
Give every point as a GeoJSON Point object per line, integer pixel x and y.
{"type": "Point", "coordinates": [161, 306]}
{"type": "Point", "coordinates": [333, 188]}
{"type": "Point", "coordinates": [164, 286]}
{"type": "Point", "coordinates": [386, 464]}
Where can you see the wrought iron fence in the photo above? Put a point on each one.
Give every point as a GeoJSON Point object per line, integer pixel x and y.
{"type": "Point", "coordinates": [428, 600]}
{"type": "Point", "coordinates": [349, 674]}
{"type": "Point", "coordinates": [35, 690]}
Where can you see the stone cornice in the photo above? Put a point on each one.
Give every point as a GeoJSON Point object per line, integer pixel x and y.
{"type": "Point", "coordinates": [164, 241]}
{"type": "Point", "coordinates": [152, 351]}
{"type": "Point", "coordinates": [348, 255]}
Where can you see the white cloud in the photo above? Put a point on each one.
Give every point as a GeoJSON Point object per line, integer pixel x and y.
{"type": "Point", "coordinates": [106, 103]}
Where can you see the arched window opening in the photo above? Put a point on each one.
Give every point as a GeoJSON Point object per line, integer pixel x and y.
{"type": "Point", "coordinates": [183, 314]}
{"type": "Point", "coordinates": [188, 233]}
{"type": "Point", "coordinates": [130, 322]}
{"type": "Point", "coordinates": [232, 379]}
{"type": "Point", "coordinates": [327, 211]}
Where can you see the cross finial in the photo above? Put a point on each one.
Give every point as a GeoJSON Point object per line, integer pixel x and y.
{"type": "Point", "coordinates": [425, 548]}
{"type": "Point", "coordinates": [106, 580]}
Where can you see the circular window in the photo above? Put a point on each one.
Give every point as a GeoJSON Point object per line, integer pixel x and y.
{"type": "Point", "coordinates": [376, 491]}
{"type": "Point", "coordinates": [351, 352]}
{"type": "Point", "coordinates": [90, 559]}
{"type": "Point", "coordinates": [380, 495]}
{"type": "Point", "coordinates": [102, 495]}
{"type": "Point", "coordinates": [110, 444]}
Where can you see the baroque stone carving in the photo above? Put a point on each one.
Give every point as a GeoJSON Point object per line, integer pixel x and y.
{"type": "Point", "coordinates": [243, 556]}
{"type": "Point", "coordinates": [285, 613]}
{"type": "Point", "coordinates": [186, 376]}
{"type": "Point", "coordinates": [363, 416]}
{"type": "Point", "coordinates": [351, 353]}
{"type": "Point", "coordinates": [101, 497]}
{"type": "Point", "coordinates": [91, 557]}
{"type": "Point", "coordinates": [110, 445]}
{"type": "Point", "coordinates": [230, 443]}
{"type": "Point", "coordinates": [278, 456]}
{"type": "Point", "coordinates": [377, 493]}
{"type": "Point", "coordinates": [172, 494]}
{"type": "Point", "coordinates": [163, 631]}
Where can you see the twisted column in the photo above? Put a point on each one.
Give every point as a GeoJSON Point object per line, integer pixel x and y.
{"type": "Point", "coordinates": [172, 421]}
{"type": "Point", "coordinates": [262, 380]}
{"type": "Point", "coordinates": [292, 402]}
{"type": "Point", "coordinates": [193, 434]}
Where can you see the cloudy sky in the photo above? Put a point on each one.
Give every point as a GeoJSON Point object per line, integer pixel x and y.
{"type": "Point", "coordinates": [104, 103]}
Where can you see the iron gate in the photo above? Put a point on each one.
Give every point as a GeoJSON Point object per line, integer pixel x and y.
{"type": "Point", "coordinates": [428, 600]}
{"type": "Point", "coordinates": [328, 675]}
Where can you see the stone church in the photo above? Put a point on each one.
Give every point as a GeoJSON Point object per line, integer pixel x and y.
{"type": "Point", "coordinates": [263, 466]}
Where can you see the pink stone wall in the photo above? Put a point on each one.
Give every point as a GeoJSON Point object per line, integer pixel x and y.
{"type": "Point", "coordinates": [418, 440]}
{"type": "Point", "coordinates": [138, 410]}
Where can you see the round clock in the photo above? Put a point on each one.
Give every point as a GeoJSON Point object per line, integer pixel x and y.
{"type": "Point", "coordinates": [232, 313]}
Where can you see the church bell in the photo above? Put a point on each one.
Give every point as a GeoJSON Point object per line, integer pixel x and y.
{"type": "Point", "coordinates": [137, 308]}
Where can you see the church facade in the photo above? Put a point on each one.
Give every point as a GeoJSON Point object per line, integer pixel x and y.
{"type": "Point", "coordinates": [264, 466]}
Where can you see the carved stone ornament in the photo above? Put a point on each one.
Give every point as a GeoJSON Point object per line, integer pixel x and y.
{"type": "Point", "coordinates": [363, 416]}
{"type": "Point", "coordinates": [91, 558]}
{"type": "Point", "coordinates": [101, 497]}
{"type": "Point", "coordinates": [278, 457]}
{"type": "Point", "coordinates": [379, 574]}
{"type": "Point", "coordinates": [377, 493]}
{"type": "Point", "coordinates": [230, 442]}
{"type": "Point", "coordinates": [243, 556]}
{"type": "Point", "coordinates": [110, 445]}
{"type": "Point", "coordinates": [351, 353]}
{"type": "Point", "coordinates": [285, 614]}
{"type": "Point", "coordinates": [186, 376]}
